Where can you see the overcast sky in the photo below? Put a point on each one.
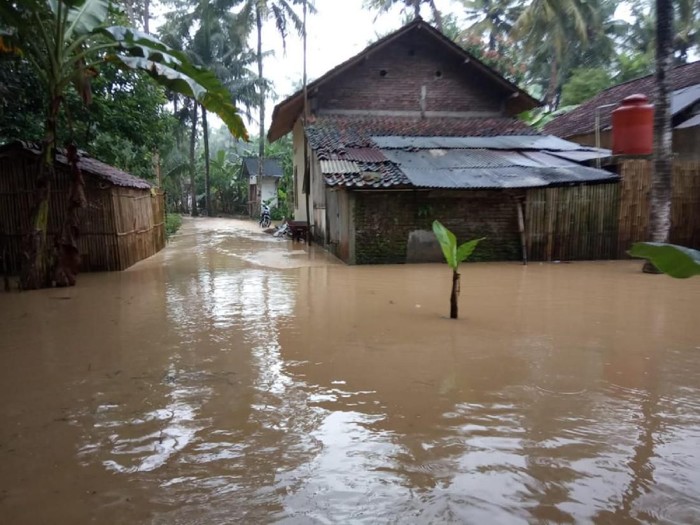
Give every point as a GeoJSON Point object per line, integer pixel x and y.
{"type": "Point", "coordinates": [339, 30]}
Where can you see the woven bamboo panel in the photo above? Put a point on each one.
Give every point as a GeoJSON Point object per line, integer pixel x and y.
{"type": "Point", "coordinates": [572, 223]}
{"type": "Point", "coordinates": [635, 191]}
{"type": "Point", "coordinates": [119, 227]}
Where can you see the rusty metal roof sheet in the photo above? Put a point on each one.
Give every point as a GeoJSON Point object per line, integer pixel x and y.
{"type": "Point", "coordinates": [496, 169]}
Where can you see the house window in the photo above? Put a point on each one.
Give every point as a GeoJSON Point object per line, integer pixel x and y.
{"type": "Point", "coordinates": [383, 73]}
{"type": "Point", "coordinates": [438, 74]}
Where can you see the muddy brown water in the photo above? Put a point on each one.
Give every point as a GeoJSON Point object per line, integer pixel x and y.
{"type": "Point", "coordinates": [238, 378]}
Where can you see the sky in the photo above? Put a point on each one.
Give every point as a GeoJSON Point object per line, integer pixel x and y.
{"type": "Point", "coordinates": [338, 31]}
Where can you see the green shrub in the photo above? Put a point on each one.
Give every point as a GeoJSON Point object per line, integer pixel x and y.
{"type": "Point", "coordinates": [173, 221]}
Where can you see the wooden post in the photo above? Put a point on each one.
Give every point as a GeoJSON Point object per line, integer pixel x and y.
{"type": "Point", "coordinates": [454, 307]}
{"type": "Point", "coordinates": [521, 226]}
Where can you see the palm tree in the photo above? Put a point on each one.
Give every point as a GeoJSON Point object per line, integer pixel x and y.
{"type": "Point", "coordinates": [65, 41]}
{"type": "Point", "coordinates": [660, 212]}
{"type": "Point", "coordinates": [254, 13]}
{"type": "Point", "coordinates": [494, 18]}
{"type": "Point", "coordinates": [384, 6]}
{"type": "Point", "coordinates": [547, 28]}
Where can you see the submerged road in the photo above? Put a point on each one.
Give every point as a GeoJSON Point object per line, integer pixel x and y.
{"type": "Point", "coordinates": [235, 377]}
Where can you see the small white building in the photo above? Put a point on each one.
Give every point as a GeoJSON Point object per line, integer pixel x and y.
{"type": "Point", "coordinates": [265, 189]}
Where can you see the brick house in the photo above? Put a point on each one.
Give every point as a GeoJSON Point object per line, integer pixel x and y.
{"type": "Point", "coordinates": [414, 129]}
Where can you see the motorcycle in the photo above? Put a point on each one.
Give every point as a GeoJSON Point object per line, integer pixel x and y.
{"type": "Point", "coordinates": [265, 218]}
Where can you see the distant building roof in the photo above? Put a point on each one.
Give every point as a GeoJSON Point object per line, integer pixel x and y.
{"type": "Point", "coordinates": [386, 152]}
{"type": "Point", "coordinates": [286, 112]}
{"type": "Point", "coordinates": [271, 167]}
{"type": "Point", "coordinates": [87, 165]}
{"type": "Point", "coordinates": [581, 120]}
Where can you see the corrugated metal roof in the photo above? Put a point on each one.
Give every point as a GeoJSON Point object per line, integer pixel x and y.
{"type": "Point", "coordinates": [469, 168]}
{"type": "Point", "coordinates": [503, 178]}
{"type": "Point", "coordinates": [583, 156]}
{"type": "Point", "coordinates": [339, 166]}
{"type": "Point", "coordinates": [533, 142]}
{"type": "Point", "coordinates": [691, 122]}
{"type": "Point", "coordinates": [683, 98]}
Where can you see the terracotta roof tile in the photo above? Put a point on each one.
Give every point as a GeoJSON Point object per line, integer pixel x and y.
{"type": "Point", "coordinates": [582, 119]}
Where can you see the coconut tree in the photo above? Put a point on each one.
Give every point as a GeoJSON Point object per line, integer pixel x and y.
{"type": "Point", "coordinates": [547, 28]}
{"type": "Point", "coordinates": [660, 211]}
{"type": "Point", "coordinates": [384, 6]}
{"type": "Point", "coordinates": [65, 41]}
{"type": "Point", "coordinates": [253, 14]}
{"type": "Point", "coordinates": [494, 18]}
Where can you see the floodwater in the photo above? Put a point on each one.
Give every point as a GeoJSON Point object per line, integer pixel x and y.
{"type": "Point", "coordinates": [237, 378]}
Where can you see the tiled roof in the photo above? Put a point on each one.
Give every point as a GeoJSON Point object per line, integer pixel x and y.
{"type": "Point", "coordinates": [87, 165]}
{"type": "Point", "coordinates": [582, 119]}
{"type": "Point", "coordinates": [386, 152]}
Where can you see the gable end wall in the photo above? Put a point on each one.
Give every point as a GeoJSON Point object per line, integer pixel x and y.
{"type": "Point", "coordinates": [411, 62]}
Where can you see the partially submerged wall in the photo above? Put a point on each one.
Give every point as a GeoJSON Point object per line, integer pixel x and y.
{"type": "Point", "coordinates": [396, 226]}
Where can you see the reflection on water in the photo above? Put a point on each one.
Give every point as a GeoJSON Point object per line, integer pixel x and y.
{"type": "Point", "coordinates": [237, 377]}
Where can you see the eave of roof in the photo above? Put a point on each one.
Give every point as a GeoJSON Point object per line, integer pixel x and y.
{"type": "Point", "coordinates": [286, 112]}
{"type": "Point", "coordinates": [393, 153]}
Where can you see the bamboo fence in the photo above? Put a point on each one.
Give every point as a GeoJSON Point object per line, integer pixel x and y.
{"type": "Point", "coordinates": [572, 223]}
{"type": "Point", "coordinates": [119, 227]}
{"type": "Point", "coordinates": [635, 190]}
{"type": "Point", "coordinates": [602, 221]}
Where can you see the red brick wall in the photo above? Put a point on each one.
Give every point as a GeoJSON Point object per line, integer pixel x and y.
{"type": "Point", "coordinates": [411, 62]}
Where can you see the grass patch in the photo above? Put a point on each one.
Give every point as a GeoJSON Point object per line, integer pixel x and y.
{"type": "Point", "coordinates": [173, 221]}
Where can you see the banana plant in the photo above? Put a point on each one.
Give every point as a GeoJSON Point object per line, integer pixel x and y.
{"type": "Point", "coordinates": [453, 256]}
{"type": "Point", "coordinates": [677, 261]}
{"type": "Point", "coordinates": [65, 41]}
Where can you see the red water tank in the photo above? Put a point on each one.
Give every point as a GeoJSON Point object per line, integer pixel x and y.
{"type": "Point", "coordinates": [633, 127]}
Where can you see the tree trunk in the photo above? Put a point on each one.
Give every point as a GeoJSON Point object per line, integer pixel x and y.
{"type": "Point", "coordinates": [553, 82]}
{"type": "Point", "coordinates": [454, 307]}
{"type": "Point", "coordinates": [207, 185]}
{"type": "Point", "coordinates": [35, 267]}
{"type": "Point", "coordinates": [660, 212]}
{"type": "Point", "coordinates": [68, 253]}
{"type": "Point", "coordinates": [193, 141]}
{"type": "Point", "coordinates": [146, 16]}
{"type": "Point", "coordinates": [261, 144]}
{"type": "Point", "coordinates": [416, 8]}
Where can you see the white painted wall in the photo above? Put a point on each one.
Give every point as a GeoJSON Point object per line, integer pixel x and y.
{"type": "Point", "coordinates": [268, 190]}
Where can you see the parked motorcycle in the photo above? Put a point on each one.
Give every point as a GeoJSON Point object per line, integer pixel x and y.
{"type": "Point", "coordinates": [265, 218]}
{"type": "Point", "coordinates": [283, 231]}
